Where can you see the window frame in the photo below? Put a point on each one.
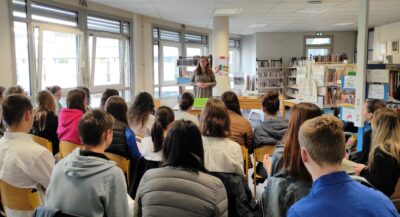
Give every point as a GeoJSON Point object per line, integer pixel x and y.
{"type": "Point", "coordinates": [319, 46]}
{"type": "Point", "coordinates": [204, 45]}
{"type": "Point", "coordinates": [39, 67]}
{"type": "Point", "coordinates": [81, 20]}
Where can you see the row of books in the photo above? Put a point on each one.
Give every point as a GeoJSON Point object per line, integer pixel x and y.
{"type": "Point", "coordinates": [269, 63]}
{"type": "Point", "coordinates": [269, 83]}
{"type": "Point", "coordinates": [331, 58]}
{"type": "Point", "coordinates": [266, 73]}
{"type": "Point", "coordinates": [332, 75]}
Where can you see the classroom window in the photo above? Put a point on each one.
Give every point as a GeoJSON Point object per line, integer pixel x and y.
{"type": "Point", "coordinates": [21, 55]}
{"type": "Point", "coordinates": [59, 58]}
{"type": "Point", "coordinates": [318, 45]}
{"type": "Point", "coordinates": [168, 46]}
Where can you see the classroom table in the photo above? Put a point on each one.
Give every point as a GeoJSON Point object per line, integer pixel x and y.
{"type": "Point", "coordinates": [245, 103]}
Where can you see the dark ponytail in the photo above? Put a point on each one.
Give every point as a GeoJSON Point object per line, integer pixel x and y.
{"type": "Point", "coordinates": [164, 116]}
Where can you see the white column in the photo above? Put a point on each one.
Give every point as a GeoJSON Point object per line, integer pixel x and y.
{"type": "Point", "coordinates": [220, 50]}
{"type": "Point", "coordinates": [6, 61]}
{"type": "Point", "coordinates": [362, 43]}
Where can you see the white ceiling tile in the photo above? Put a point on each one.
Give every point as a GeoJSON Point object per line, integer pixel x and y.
{"type": "Point", "coordinates": [279, 15]}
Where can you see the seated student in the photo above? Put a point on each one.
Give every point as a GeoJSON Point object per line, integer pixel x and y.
{"type": "Point", "coordinates": [46, 122]}
{"type": "Point", "coordinates": [152, 146]}
{"type": "Point", "coordinates": [23, 163]}
{"type": "Point", "coordinates": [88, 98]}
{"type": "Point", "coordinates": [69, 117]}
{"type": "Point", "coordinates": [368, 110]}
{"type": "Point", "coordinates": [185, 105]}
{"type": "Point", "coordinates": [220, 153]}
{"type": "Point", "coordinates": [383, 168]}
{"type": "Point", "coordinates": [17, 89]}
{"type": "Point", "coordinates": [86, 183]}
{"type": "Point", "coordinates": [124, 139]}
{"type": "Point", "coordinates": [272, 130]}
{"type": "Point", "coordinates": [181, 187]}
{"type": "Point", "coordinates": [273, 127]}
{"type": "Point", "coordinates": [57, 93]}
{"type": "Point", "coordinates": [241, 131]}
{"type": "Point", "coordinates": [107, 94]}
{"type": "Point", "coordinates": [289, 180]}
{"type": "Point", "coordinates": [333, 193]}
{"type": "Point", "coordinates": [141, 114]}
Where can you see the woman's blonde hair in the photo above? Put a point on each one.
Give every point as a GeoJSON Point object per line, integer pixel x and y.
{"type": "Point", "coordinates": [385, 134]}
{"type": "Point", "coordinates": [46, 104]}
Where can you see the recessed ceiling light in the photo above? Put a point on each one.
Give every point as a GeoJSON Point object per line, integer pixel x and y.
{"type": "Point", "coordinates": [259, 25]}
{"type": "Point", "coordinates": [343, 24]}
{"type": "Point", "coordinates": [231, 11]}
{"type": "Point", "coordinates": [313, 11]}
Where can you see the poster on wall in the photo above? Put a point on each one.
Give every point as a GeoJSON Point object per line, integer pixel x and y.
{"type": "Point", "coordinates": [348, 114]}
{"type": "Point", "coordinates": [221, 71]}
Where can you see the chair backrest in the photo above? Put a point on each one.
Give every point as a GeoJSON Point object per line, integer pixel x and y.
{"type": "Point", "coordinates": [245, 154]}
{"type": "Point", "coordinates": [396, 196]}
{"type": "Point", "coordinates": [66, 148]}
{"type": "Point", "coordinates": [122, 163]}
{"type": "Point", "coordinates": [157, 103]}
{"type": "Point", "coordinates": [263, 150]}
{"type": "Point", "coordinates": [43, 142]}
{"type": "Point", "coordinates": [24, 199]}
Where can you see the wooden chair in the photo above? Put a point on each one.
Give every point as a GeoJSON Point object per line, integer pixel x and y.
{"type": "Point", "coordinates": [66, 148]}
{"type": "Point", "coordinates": [43, 142]}
{"type": "Point", "coordinates": [259, 157]}
{"type": "Point", "coordinates": [245, 153]}
{"type": "Point", "coordinates": [121, 162]}
{"type": "Point", "coordinates": [396, 196]}
{"type": "Point", "coordinates": [157, 103]}
{"type": "Point", "coordinates": [24, 199]}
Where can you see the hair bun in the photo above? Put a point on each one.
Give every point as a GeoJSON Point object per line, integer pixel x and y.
{"type": "Point", "coordinates": [272, 95]}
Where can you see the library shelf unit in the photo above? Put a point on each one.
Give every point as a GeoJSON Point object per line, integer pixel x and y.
{"type": "Point", "coordinates": [270, 76]}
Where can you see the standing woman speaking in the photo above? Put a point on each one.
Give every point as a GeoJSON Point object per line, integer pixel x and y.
{"type": "Point", "coordinates": [203, 79]}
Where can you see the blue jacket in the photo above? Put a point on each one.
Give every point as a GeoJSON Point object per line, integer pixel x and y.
{"type": "Point", "coordinates": [337, 194]}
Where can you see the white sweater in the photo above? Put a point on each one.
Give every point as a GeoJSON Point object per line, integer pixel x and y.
{"type": "Point", "coordinates": [222, 155]}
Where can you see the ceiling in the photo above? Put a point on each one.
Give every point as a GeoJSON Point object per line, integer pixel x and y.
{"type": "Point", "coordinates": [274, 15]}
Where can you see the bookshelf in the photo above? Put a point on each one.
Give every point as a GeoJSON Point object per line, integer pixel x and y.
{"type": "Point", "coordinates": [270, 76]}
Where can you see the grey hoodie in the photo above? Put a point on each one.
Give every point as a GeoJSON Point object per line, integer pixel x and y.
{"type": "Point", "coordinates": [270, 131]}
{"type": "Point", "coordinates": [88, 186]}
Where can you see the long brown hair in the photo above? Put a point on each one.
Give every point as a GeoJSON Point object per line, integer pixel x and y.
{"type": "Point", "coordinates": [231, 102]}
{"type": "Point", "coordinates": [139, 111]}
{"type": "Point", "coordinates": [214, 120]}
{"type": "Point", "coordinates": [291, 158]}
{"type": "Point", "coordinates": [116, 106]}
{"type": "Point", "coordinates": [385, 134]}
{"type": "Point", "coordinates": [208, 67]}
{"type": "Point", "coordinates": [46, 104]}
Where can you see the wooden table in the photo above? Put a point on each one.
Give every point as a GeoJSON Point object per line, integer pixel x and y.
{"type": "Point", "coordinates": [245, 103]}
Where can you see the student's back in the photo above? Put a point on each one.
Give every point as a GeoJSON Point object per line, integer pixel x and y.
{"type": "Point", "coordinates": [83, 184]}
{"type": "Point", "coordinates": [338, 194]}
{"type": "Point", "coordinates": [23, 163]}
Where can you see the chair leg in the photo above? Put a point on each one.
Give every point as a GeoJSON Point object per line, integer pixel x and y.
{"type": "Point", "coordinates": [254, 177]}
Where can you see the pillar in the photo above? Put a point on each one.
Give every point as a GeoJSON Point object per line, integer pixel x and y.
{"type": "Point", "coordinates": [362, 46]}
{"type": "Point", "coordinates": [220, 52]}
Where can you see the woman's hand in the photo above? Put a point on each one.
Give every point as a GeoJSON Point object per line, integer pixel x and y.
{"type": "Point", "coordinates": [199, 84]}
{"type": "Point", "coordinates": [358, 168]}
{"type": "Point", "coordinates": [267, 163]}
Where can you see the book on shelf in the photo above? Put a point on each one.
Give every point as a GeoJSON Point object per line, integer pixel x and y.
{"type": "Point", "coordinates": [394, 81]}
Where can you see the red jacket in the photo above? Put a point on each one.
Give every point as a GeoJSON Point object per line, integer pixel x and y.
{"type": "Point", "coordinates": [68, 120]}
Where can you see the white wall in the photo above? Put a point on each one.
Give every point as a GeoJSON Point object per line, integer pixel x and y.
{"type": "Point", "coordinates": [386, 33]}
{"type": "Point", "coordinates": [6, 69]}
{"type": "Point", "coordinates": [248, 54]}
{"type": "Point", "coordinates": [273, 45]}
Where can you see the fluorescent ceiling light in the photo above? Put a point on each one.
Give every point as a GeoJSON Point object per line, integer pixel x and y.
{"type": "Point", "coordinates": [313, 11]}
{"type": "Point", "coordinates": [257, 25]}
{"type": "Point", "coordinates": [228, 11]}
{"type": "Point", "coordinates": [343, 24]}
